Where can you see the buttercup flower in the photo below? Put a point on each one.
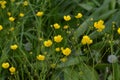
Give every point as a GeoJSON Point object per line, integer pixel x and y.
{"type": "Point", "coordinates": [40, 57]}
{"type": "Point", "coordinates": [64, 59]}
{"type": "Point", "coordinates": [112, 59]}
{"type": "Point", "coordinates": [1, 27]}
{"type": "Point", "coordinates": [118, 30]}
{"type": "Point", "coordinates": [56, 26]}
{"type": "Point", "coordinates": [47, 43]}
{"type": "Point", "coordinates": [12, 29]}
{"type": "Point", "coordinates": [21, 14]}
{"type": "Point", "coordinates": [11, 19]}
{"type": "Point", "coordinates": [58, 38]}
{"type": "Point", "coordinates": [14, 47]}
{"type": "Point", "coordinates": [79, 15]}
{"type": "Point", "coordinates": [57, 49]}
{"type": "Point", "coordinates": [9, 13]}
{"type": "Point", "coordinates": [86, 40]}
{"type": "Point", "coordinates": [3, 4]}
{"type": "Point", "coordinates": [66, 27]}
{"type": "Point", "coordinates": [25, 3]}
{"type": "Point", "coordinates": [12, 70]}
{"type": "Point", "coordinates": [66, 51]}
{"type": "Point", "coordinates": [40, 13]}
{"type": "Point", "coordinates": [5, 65]}
{"type": "Point", "coordinates": [99, 25]}
{"type": "Point", "coordinates": [67, 18]}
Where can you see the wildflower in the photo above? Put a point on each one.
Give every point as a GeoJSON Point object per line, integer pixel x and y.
{"type": "Point", "coordinates": [64, 59]}
{"type": "Point", "coordinates": [67, 18]}
{"type": "Point", "coordinates": [53, 65]}
{"type": "Point", "coordinates": [56, 26]}
{"type": "Point", "coordinates": [9, 13]}
{"type": "Point", "coordinates": [47, 43]}
{"type": "Point", "coordinates": [112, 59]}
{"type": "Point", "coordinates": [99, 25]}
{"type": "Point", "coordinates": [66, 51]}
{"type": "Point", "coordinates": [12, 70]}
{"type": "Point", "coordinates": [12, 29]}
{"type": "Point", "coordinates": [86, 40]}
{"type": "Point", "coordinates": [118, 30]}
{"type": "Point", "coordinates": [1, 27]}
{"type": "Point", "coordinates": [57, 49]}
{"type": "Point", "coordinates": [79, 15]}
{"type": "Point", "coordinates": [12, 0]}
{"type": "Point", "coordinates": [58, 38]}
{"type": "Point", "coordinates": [5, 65]}
{"type": "Point", "coordinates": [21, 14]}
{"type": "Point", "coordinates": [11, 19]}
{"type": "Point", "coordinates": [66, 27]}
{"type": "Point", "coordinates": [14, 47]}
{"type": "Point", "coordinates": [3, 4]}
{"type": "Point", "coordinates": [25, 3]}
{"type": "Point", "coordinates": [40, 13]}
{"type": "Point", "coordinates": [40, 57]}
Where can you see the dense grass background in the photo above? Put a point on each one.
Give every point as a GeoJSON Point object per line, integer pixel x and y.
{"type": "Point", "coordinates": [86, 62]}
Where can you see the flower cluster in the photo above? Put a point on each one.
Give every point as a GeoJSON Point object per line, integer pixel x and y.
{"type": "Point", "coordinates": [86, 40]}
{"type": "Point", "coordinates": [3, 4]}
{"type": "Point", "coordinates": [99, 25]}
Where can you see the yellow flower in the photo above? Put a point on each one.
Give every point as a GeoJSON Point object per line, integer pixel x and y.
{"type": "Point", "coordinates": [56, 26]}
{"type": "Point", "coordinates": [53, 65]}
{"type": "Point", "coordinates": [86, 40]}
{"type": "Point", "coordinates": [57, 49]}
{"type": "Point", "coordinates": [1, 27]}
{"type": "Point", "coordinates": [12, 29]}
{"type": "Point", "coordinates": [67, 18]}
{"type": "Point", "coordinates": [99, 25]}
{"type": "Point", "coordinates": [11, 19]}
{"type": "Point", "coordinates": [66, 27]}
{"type": "Point", "coordinates": [118, 30]}
{"type": "Point", "coordinates": [9, 13]}
{"type": "Point", "coordinates": [47, 43]}
{"type": "Point", "coordinates": [3, 4]}
{"type": "Point", "coordinates": [12, 70]}
{"type": "Point", "coordinates": [21, 14]}
{"type": "Point", "coordinates": [41, 57]}
{"type": "Point", "coordinates": [64, 59]}
{"type": "Point", "coordinates": [58, 38]}
{"type": "Point", "coordinates": [5, 65]}
{"type": "Point", "coordinates": [66, 51]}
{"type": "Point", "coordinates": [40, 13]}
{"type": "Point", "coordinates": [79, 15]}
{"type": "Point", "coordinates": [12, 0]}
{"type": "Point", "coordinates": [14, 47]}
{"type": "Point", "coordinates": [25, 3]}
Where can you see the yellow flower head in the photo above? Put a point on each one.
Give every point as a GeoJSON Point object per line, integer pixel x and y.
{"type": "Point", "coordinates": [64, 59]}
{"type": "Point", "coordinates": [58, 38]}
{"type": "Point", "coordinates": [14, 47]}
{"type": "Point", "coordinates": [40, 57]}
{"type": "Point", "coordinates": [56, 26]}
{"type": "Point", "coordinates": [47, 43]}
{"type": "Point", "coordinates": [66, 27]}
{"type": "Point", "coordinates": [57, 49]}
{"type": "Point", "coordinates": [21, 14]}
{"type": "Point", "coordinates": [79, 15]}
{"type": "Point", "coordinates": [1, 27]}
{"type": "Point", "coordinates": [12, 70]}
{"type": "Point", "coordinates": [3, 4]}
{"type": "Point", "coordinates": [12, 29]}
{"type": "Point", "coordinates": [67, 18]}
{"type": "Point", "coordinates": [25, 3]}
{"type": "Point", "coordinates": [66, 51]}
{"type": "Point", "coordinates": [53, 65]}
{"type": "Point", "coordinates": [40, 13]}
{"type": "Point", "coordinates": [99, 25]}
{"type": "Point", "coordinates": [11, 19]}
{"type": "Point", "coordinates": [9, 13]}
{"type": "Point", "coordinates": [118, 30]}
{"type": "Point", "coordinates": [12, 0]}
{"type": "Point", "coordinates": [86, 40]}
{"type": "Point", "coordinates": [5, 65]}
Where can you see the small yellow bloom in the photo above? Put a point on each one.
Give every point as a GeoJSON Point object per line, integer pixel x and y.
{"type": "Point", "coordinates": [12, 0]}
{"type": "Point", "coordinates": [11, 19]}
{"type": "Point", "coordinates": [57, 49]}
{"type": "Point", "coordinates": [12, 70]}
{"type": "Point", "coordinates": [9, 13]}
{"type": "Point", "coordinates": [67, 18]}
{"type": "Point", "coordinates": [79, 15]}
{"type": "Point", "coordinates": [64, 59]}
{"type": "Point", "coordinates": [66, 27]}
{"type": "Point", "coordinates": [40, 57]}
{"type": "Point", "coordinates": [3, 4]}
{"type": "Point", "coordinates": [118, 30]}
{"type": "Point", "coordinates": [12, 29]}
{"type": "Point", "coordinates": [56, 26]}
{"type": "Point", "coordinates": [86, 40]}
{"type": "Point", "coordinates": [58, 38]}
{"type": "Point", "coordinates": [21, 14]}
{"type": "Point", "coordinates": [66, 51]}
{"type": "Point", "coordinates": [40, 13]}
{"type": "Point", "coordinates": [53, 65]}
{"type": "Point", "coordinates": [99, 25]}
{"type": "Point", "coordinates": [5, 65]}
{"type": "Point", "coordinates": [14, 47]}
{"type": "Point", "coordinates": [47, 43]}
{"type": "Point", "coordinates": [25, 3]}
{"type": "Point", "coordinates": [1, 27]}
